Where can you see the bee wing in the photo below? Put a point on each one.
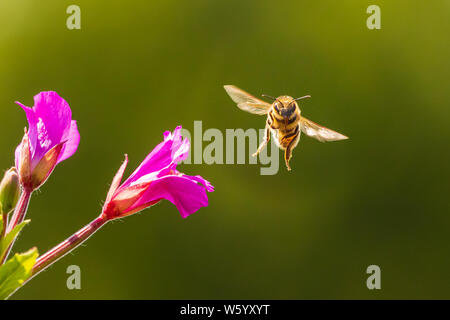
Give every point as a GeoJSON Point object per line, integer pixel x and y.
{"type": "Point", "coordinates": [246, 101]}
{"type": "Point", "coordinates": [318, 132]}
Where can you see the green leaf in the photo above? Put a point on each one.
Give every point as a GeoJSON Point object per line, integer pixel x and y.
{"type": "Point", "coordinates": [15, 271]}
{"type": "Point", "coordinates": [8, 239]}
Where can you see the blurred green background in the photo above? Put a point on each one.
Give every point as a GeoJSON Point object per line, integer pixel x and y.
{"type": "Point", "coordinates": [137, 68]}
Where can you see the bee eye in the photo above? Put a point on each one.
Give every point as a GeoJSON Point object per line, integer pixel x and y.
{"type": "Point", "coordinates": [276, 106]}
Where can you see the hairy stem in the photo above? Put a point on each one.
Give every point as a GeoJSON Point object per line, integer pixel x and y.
{"type": "Point", "coordinates": [18, 216]}
{"type": "Point", "coordinates": [53, 255]}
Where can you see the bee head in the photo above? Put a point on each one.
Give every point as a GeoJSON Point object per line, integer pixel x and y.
{"type": "Point", "coordinates": [285, 106]}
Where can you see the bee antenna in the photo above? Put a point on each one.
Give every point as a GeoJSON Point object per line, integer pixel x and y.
{"type": "Point", "coordinates": [265, 95]}
{"type": "Point", "coordinates": [304, 97]}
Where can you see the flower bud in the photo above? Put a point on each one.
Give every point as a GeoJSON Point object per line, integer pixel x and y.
{"type": "Point", "coordinates": [9, 191]}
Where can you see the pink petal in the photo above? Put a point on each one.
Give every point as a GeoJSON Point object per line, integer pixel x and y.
{"type": "Point", "coordinates": [209, 187]}
{"type": "Point", "coordinates": [73, 140]}
{"type": "Point", "coordinates": [164, 156]}
{"type": "Point", "coordinates": [184, 193]}
{"type": "Point", "coordinates": [181, 152]}
{"type": "Point", "coordinates": [50, 124]}
{"type": "Point", "coordinates": [55, 113]}
{"type": "Point", "coordinates": [32, 127]}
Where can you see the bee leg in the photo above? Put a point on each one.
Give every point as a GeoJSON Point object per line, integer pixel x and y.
{"type": "Point", "coordinates": [290, 147]}
{"type": "Point", "coordinates": [264, 142]}
{"type": "Point", "coordinates": [287, 157]}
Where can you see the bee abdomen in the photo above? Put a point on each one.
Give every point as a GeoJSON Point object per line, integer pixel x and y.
{"type": "Point", "coordinates": [291, 132]}
{"type": "Point", "coordinates": [287, 136]}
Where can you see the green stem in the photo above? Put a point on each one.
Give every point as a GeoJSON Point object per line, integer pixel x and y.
{"type": "Point", "coordinates": [5, 224]}
{"type": "Point", "coordinates": [18, 216]}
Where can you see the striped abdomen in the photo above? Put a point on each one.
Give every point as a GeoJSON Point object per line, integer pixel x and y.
{"type": "Point", "coordinates": [284, 124]}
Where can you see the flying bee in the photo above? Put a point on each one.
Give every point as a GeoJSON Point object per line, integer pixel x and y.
{"type": "Point", "coordinates": [284, 120]}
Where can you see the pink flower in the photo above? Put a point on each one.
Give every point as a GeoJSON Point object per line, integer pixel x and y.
{"type": "Point", "coordinates": [156, 179]}
{"type": "Point", "coordinates": [52, 137]}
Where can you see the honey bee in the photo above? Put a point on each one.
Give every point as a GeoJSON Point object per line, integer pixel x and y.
{"type": "Point", "coordinates": [284, 120]}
